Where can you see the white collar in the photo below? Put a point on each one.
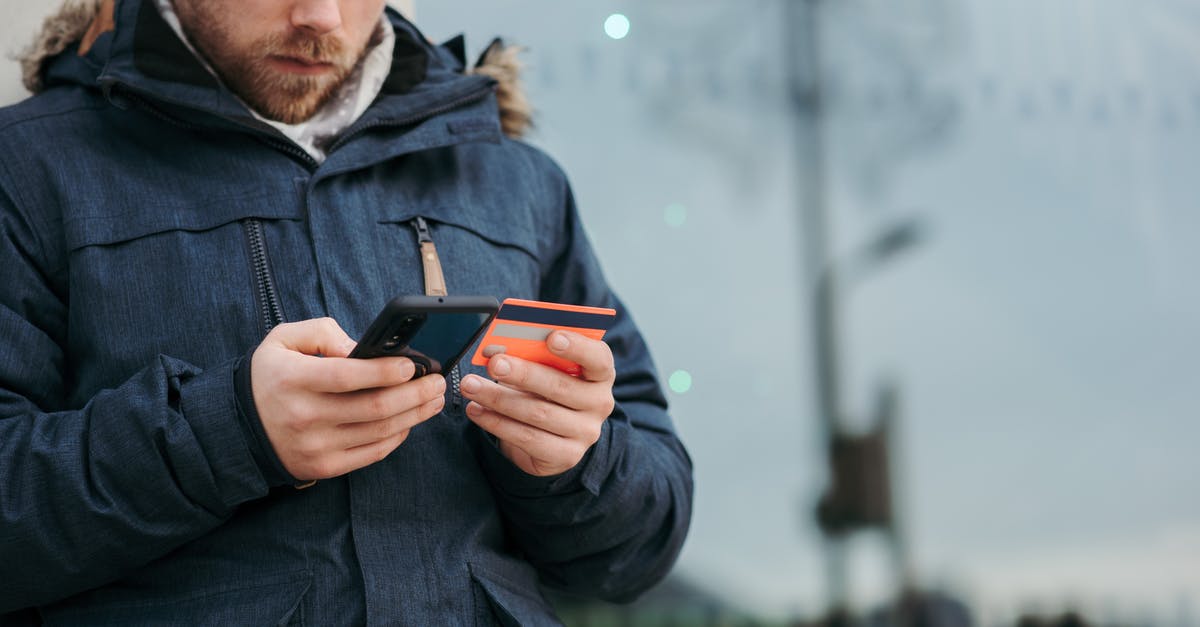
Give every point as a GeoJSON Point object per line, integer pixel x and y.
{"type": "Point", "coordinates": [357, 93]}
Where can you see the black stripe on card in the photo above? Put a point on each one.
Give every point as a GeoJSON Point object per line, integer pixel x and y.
{"type": "Point", "coordinates": [556, 317]}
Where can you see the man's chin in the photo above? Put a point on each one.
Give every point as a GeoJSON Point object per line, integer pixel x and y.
{"type": "Point", "coordinates": [288, 113]}
{"type": "Point", "coordinates": [289, 104]}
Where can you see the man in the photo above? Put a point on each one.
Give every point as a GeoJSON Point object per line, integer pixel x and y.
{"type": "Point", "coordinates": [203, 206]}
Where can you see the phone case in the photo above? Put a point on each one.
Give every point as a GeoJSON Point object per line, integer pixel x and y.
{"type": "Point", "coordinates": [434, 331]}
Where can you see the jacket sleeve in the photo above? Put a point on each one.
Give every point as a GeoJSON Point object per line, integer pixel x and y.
{"type": "Point", "coordinates": [612, 526]}
{"type": "Point", "coordinates": [90, 493]}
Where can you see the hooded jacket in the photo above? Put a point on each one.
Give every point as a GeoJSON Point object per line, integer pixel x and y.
{"type": "Point", "coordinates": [152, 231]}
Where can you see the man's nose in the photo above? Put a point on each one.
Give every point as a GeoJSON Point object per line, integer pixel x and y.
{"type": "Point", "coordinates": [317, 16]}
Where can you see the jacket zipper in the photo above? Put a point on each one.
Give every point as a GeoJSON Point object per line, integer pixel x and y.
{"type": "Point", "coordinates": [268, 298]}
{"type": "Point", "coordinates": [435, 285]}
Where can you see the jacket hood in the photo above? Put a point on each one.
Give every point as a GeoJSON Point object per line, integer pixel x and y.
{"type": "Point", "coordinates": [80, 22]}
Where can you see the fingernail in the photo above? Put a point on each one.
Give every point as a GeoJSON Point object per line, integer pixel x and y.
{"type": "Point", "coordinates": [470, 385]}
{"type": "Point", "coordinates": [473, 410]}
{"type": "Point", "coordinates": [441, 385]}
{"type": "Point", "coordinates": [501, 367]}
{"type": "Point", "coordinates": [559, 342]}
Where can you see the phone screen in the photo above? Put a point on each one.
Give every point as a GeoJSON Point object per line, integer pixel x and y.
{"type": "Point", "coordinates": [433, 331]}
{"type": "Point", "coordinates": [443, 337]}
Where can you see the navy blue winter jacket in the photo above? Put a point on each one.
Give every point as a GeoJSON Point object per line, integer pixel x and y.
{"type": "Point", "coordinates": [152, 231]}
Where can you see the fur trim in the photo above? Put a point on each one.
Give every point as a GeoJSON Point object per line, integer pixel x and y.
{"type": "Point", "coordinates": [73, 19]}
{"type": "Point", "coordinates": [59, 31]}
{"type": "Point", "coordinates": [501, 62]}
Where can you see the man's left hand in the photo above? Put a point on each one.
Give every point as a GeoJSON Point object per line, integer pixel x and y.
{"type": "Point", "coordinates": [545, 419]}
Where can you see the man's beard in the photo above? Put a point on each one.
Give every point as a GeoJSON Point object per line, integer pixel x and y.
{"type": "Point", "coordinates": [273, 93]}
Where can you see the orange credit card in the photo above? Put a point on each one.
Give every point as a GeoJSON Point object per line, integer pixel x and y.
{"type": "Point", "coordinates": [521, 327]}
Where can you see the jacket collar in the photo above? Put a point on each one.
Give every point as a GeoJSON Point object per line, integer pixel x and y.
{"type": "Point", "coordinates": [142, 57]}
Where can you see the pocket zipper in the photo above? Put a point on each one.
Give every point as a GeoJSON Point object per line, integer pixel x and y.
{"type": "Point", "coordinates": [435, 285]}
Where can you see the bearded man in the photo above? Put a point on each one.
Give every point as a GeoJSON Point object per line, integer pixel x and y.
{"type": "Point", "coordinates": [202, 205]}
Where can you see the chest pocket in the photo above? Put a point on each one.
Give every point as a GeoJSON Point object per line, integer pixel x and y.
{"type": "Point", "coordinates": [174, 277]}
{"type": "Point", "coordinates": [488, 250]}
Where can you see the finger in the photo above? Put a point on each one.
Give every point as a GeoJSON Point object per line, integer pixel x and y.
{"type": "Point", "coordinates": [380, 403]}
{"type": "Point", "coordinates": [356, 434]}
{"type": "Point", "coordinates": [522, 435]}
{"type": "Point", "coordinates": [524, 407]}
{"type": "Point", "coordinates": [362, 456]}
{"type": "Point", "coordinates": [545, 381]}
{"type": "Point", "coordinates": [319, 336]}
{"type": "Point", "coordinates": [550, 383]}
{"type": "Point", "coordinates": [340, 375]}
{"type": "Point", "coordinates": [593, 356]}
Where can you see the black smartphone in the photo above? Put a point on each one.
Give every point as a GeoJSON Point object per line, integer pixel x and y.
{"type": "Point", "coordinates": [433, 331]}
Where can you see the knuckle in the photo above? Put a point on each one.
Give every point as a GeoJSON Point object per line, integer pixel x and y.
{"type": "Point", "coordinates": [562, 387]}
{"type": "Point", "coordinates": [540, 413]}
{"type": "Point", "coordinates": [526, 437]}
{"type": "Point", "coordinates": [339, 379]}
{"type": "Point", "coordinates": [382, 429]}
{"type": "Point", "coordinates": [608, 405]}
{"type": "Point", "coordinates": [377, 405]}
{"type": "Point", "coordinates": [304, 415]}
{"type": "Point", "coordinates": [593, 432]}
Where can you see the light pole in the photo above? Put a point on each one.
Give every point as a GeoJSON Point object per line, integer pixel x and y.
{"type": "Point", "coordinates": [859, 495]}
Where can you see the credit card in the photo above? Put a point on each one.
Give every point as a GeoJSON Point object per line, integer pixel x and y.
{"type": "Point", "coordinates": [521, 327]}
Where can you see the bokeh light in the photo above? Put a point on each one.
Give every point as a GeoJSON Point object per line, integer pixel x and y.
{"type": "Point", "coordinates": [616, 26]}
{"type": "Point", "coordinates": [675, 215]}
{"type": "Point", "coordinates": [680, 381]}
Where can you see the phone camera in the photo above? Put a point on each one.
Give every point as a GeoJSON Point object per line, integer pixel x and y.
{"type": "Point", "coordinates": [393, 343]}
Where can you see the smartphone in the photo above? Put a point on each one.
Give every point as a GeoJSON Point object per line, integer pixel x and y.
{"type": "Point", "coordinates": [433, 331]}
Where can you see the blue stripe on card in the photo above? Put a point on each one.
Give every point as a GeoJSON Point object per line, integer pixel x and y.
{"type": "Point", "coordinates": [555, 317]}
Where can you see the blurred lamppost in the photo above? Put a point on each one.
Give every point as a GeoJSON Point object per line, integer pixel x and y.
{"type": "Point", "coordinates": [859, 495]}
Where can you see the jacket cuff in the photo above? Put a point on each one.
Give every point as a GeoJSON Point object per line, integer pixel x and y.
{"type": "Point", "coordinates": [260, 445]}
{"type": "Point", "coordinates": [206, 402]}
{"type": "Point", "coordinates": [510, 480]}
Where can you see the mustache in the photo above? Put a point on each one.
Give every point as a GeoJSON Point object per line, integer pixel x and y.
{"type": "Point", "coordinates": [302, 46]}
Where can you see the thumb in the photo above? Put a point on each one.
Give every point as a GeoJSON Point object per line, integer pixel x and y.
{"type": "Point", "coordinates": [319, 336]}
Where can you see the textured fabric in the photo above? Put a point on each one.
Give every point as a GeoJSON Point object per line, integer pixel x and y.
{"type": "Point", "coordinates": [135, 487]}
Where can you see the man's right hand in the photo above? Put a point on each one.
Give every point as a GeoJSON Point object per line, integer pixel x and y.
{"type": "Point", "coordinates": [327, 415]}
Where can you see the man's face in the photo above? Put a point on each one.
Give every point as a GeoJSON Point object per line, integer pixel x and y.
{"type": "Point", "coordinates": [285, 58]}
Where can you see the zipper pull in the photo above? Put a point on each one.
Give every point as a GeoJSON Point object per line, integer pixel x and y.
{"type": "Point", "coordinates": [435, 282]}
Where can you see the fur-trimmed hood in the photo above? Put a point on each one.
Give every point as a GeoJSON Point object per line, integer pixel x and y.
{"type": "Point", "coordinates": [81, 21]}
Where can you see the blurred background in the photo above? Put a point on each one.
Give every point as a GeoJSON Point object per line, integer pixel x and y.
{"type": "Point", "coordinates": [920, 266]}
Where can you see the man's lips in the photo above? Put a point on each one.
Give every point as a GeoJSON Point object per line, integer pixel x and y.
{"type": "Point", "coordinates": [300, 65]}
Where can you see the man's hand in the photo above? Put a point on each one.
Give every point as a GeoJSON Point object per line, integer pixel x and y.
{"type": "Point", "coordinates": [545, 419]}
{"type": "Point", "coordinates": [327, 415]}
